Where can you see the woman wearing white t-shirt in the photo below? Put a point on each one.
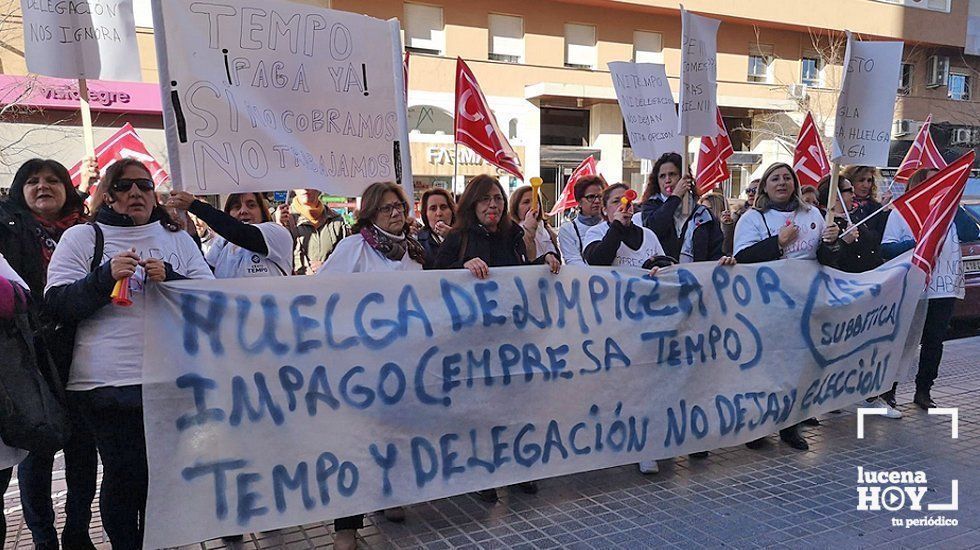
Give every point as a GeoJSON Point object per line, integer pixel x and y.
{"type": "Point", "coordinates": [539, 237]}
{"type": "Point", "coordinates": [141, 245]}
{"type": "Point", "coordinates": [782, 226]}
{"type": "Point", "coordinates": [9, 456]}
{"type": "Point", "coordinates": [249, 243]}
{"type": "Point", "coordinates": [381, 242]}
{"type": "Point", "coordinates": [571, 235]}
{"type": "Point", "coordinates": [945, 287]}
{"type": "Point", "coordinates": [620, 242]}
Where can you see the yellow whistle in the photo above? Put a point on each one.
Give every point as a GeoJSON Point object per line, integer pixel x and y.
{"type": "Point", "coordinates": [535, 185]}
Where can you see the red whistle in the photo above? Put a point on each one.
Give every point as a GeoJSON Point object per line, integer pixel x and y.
{"type": "Point", "coordinates": [628, 197]}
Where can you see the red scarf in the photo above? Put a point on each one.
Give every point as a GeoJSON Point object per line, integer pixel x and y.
{"type": "Point", "coordinates": [49, 232]}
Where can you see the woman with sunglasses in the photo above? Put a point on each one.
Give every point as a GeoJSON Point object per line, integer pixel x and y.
{"type": "Point", "coordinates": [381, 242]}
{"type": "Point", "coordinates": [249, 243]}
{"type": "Point", "coordinates": [859, 248]}
{"type": "Point", "coordinates": [484, 236]}
{"type": "Point", "coordinates": [571, 235]}
{"type": "Point", "coordinates": [141, 245]}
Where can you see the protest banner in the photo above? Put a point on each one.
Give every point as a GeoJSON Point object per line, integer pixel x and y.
{"type": "Point", "coordinates": [866, 104]}
{"type": "Point", "coordinates": [699, 75]}
{"type": "Point", "coordinates": [284, 401]}
{"type": "Point", "coordinates": [648, 108]}
{"type": "Point", "coordinates": [93, 39]}
{"type": "Point", "coordinates": [259, 95]}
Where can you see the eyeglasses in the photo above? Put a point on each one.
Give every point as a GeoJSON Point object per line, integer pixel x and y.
{"type": "Point", "coordinates": [848, 190]}
{"type": "Point", "coordinates": [390, 209]}
{"type": "Point", "coordinates": [123, 185]}
{"type": "Point", "coordinates": [592, 198]}
{"type": "Point", "coordinates": [488, 198]}
{"type": "Point", "coordinates": [750, 191]}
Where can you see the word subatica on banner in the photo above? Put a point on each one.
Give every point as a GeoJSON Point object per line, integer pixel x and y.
{"type": "Point", "coordinates": [866, 104]}
{"type": "Point", "coordinates": [699, 75]}
{"type": "Point", "coordinates": [260, 95]}
{"type": "Point", "coordinates": [291, 400]}
{"type": "Point", "coordinates": [648, 108]}
{"type": "Point", "coordinates": [93, 39]}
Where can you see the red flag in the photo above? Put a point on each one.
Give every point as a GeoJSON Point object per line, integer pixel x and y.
{"type": "Point", "coordinates": [713, 159]}
{"type": "Point", "coordinates": [405, 71]}
{"type": "Point", "coordinates": [922, 154]}
{"type": "Point", "coordinates": [810, 159]}
{"type": "Point", "coordinates": [918, 204]}
{"type": "Point", "coordinates": [123, 144]}
{"type": "Point", "coordinates": [475, 126]}
{"type": "Point", "coordinates": [942, 210]}
{"type": "Point", "coordinates": [589, 167]}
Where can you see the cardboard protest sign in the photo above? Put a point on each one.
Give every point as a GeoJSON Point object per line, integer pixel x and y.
{"type": "Point", "coordinates": [648, 108]}
{"type": "Point", "coordinates": [699, 75]}
{"type": "Point", "coordinates": [866, 104]}
{"type": "Point", "coordinates": [261, 95]}
{"type": "Point", "coordinates": [281, 401]}
{"type": "Point", "coordinates": [81, 39]}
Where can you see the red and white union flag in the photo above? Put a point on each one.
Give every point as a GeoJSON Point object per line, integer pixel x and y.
{"type": "Point", "coordinates": [947, 192]}
{"type": "Point", "coordinates": [922, 154]}
{"type": "Point", "coordinates": [917, 205]}
{"type": "Point", "coordinates": [589, 167]}
{"type": "Point", "coordinates": [475, 126]}
{"type": "Point", "coordinates": [125, 143]}
{"type": "Point", "coordinates": [713, 158]}
{"type": "Point", "coordinates": [810, 159]}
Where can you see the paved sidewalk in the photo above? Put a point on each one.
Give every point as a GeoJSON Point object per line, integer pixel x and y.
{"type": "Point", "coordinates": [775, 497]}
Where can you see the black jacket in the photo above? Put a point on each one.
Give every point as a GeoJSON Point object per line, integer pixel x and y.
{"type": "Point", "coordinates": [497, 249]}
{"type": "Point", "coordinates": [708, 239]}
{"type": "Point", "coordinates": [863, 254]}
{"type": "Point", "coordinates": [20, 246]}
{"type": "Point", "coordinates": [875, 224]}
{"type": "Point", "coordinates": [648, 208]}
{"type": "Point", "coordinates": [430, 246]}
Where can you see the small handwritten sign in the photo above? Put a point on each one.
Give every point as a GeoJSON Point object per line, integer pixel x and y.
{"type": "Point", "coordinates": [648, 108]}
{"type": "Point", "coordinates": [698, 103]}
{"type": "Point", "coordinates": [92, 39]}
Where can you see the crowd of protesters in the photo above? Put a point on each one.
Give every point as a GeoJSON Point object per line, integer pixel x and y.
{"type": "Point", "coordinates": [65, 252]}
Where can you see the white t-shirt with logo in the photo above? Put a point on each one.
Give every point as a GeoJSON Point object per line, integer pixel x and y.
{"type": "Point", "coordinates": [754, 227]}
{"type": "Point", "coordinates": [626, 256]}
{"type": "Point", "coordinates": [109, 344]}
{"type": "Point", "coordinates": [947, 275]}
{"type": "Point", "coordinates": [354, 255]}
{"type": "Point", "coordinates": [571, 240]}
{"type": "Point", "coordinates": [231, 261]}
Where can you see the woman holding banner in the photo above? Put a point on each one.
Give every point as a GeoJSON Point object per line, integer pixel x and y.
{"type": "Point", "coordinates": [782, 226]}
{"type": "Point", "coordinates": [41, 206]}
{"type": "Point", "coordinates": [438, 217]}
{"type": "Point", "coordinates": [571, 236]}
{"type": "Point", "coordinates": [249, 243]}
{"type": "Point", "coordinates": [539, 237]}
{"type": "Point", "coordinates": [484, 235]}
{"type": "Point", "coordinates": [105, 378]}
{"type": "Point", "coordinates": [381, 242]}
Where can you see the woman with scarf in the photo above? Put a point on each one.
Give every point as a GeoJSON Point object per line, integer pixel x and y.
{"type": "Point", "coordinates": [539, 237]}
{"type": "Point", "coordinates": [106, 373]}
{"type": "Point", "coordinates": [571, 235]}
{"type": "Point", "coordinates": [381, 242]}
{"type": "Point", "coordinates": [249, 243]}
{"type": "Point", "coordinates": [438, 217]}
{"type": "Point", "coordinates": [782, 226]}
{"type": "Point", "coordinates": [41, 206]}
{"type": "Point", "coordinates": [865, 182]}
{"type": "Point", "coordinates": [484, 236]}
{"type": "Point", "coordinates": [316, 230]}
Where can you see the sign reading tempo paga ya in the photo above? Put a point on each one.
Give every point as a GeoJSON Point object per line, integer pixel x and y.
{"type": "Point", "coordinates": [94, 39]}
{"type": "Point", "coordinates": [261, 95]}
{"type": "Point", "coordinates": [289, 400]}
{"type": "Point", "coordinates": [866, 104]}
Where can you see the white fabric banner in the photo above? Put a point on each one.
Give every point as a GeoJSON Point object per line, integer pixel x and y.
{"type": "Point", "coordinates": [263, 95]}
{"type": "Point", "coordinates": [866, 104]}
{"type": "Point", "coordinates": [698, 105]}
{"type": "Point", "coordinates": [284, 401]}
{"type": "Point", "coordinates": [93, 39]}
{"type": "Point", "coordinates": [648, 108]}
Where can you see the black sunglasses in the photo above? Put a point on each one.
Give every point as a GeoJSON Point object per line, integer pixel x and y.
{"type": "Point", "coordinates": [123, 185]}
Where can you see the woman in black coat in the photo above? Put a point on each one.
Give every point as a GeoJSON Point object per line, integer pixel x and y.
{"type": "Point", "coordinates": [438, 217]}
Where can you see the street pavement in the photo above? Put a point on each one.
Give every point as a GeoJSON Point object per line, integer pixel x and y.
{"type": "Point", "coordinates": [736, 497]}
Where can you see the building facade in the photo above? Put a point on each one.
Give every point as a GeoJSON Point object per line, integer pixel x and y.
{"type": "Point", "coordinates": [543, 68]}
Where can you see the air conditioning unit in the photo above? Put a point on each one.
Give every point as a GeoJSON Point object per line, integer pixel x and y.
{"type": "Point", "coordinates": [797, 91]}
{"type": "Point", "coordinates": [962, 136]}
{"type": "Point", "coordinates": [902, 127]}
{"type": "Point", "coordinates": [938, 70]}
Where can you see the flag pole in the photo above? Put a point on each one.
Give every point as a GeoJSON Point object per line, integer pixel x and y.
{"type": "Point", "coordinates": [691, 201]}
{"type": "Point", "coordinates": [832, 197]}
{"type": "Point", "coordinates": [86, 117]}
{"type": "Point", "coordinates": [455, 166]}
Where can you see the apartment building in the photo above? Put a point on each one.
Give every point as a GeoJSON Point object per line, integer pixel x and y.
{"type": "Point", "coordinates": [543, 68]}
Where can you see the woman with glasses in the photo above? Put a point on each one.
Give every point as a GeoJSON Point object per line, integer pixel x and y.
{"type": "Point", "coordinates": [141, 245]}
{"type": "Point", "coordinates": [381, 242]}
{"type": "Point", "coordinates": [484, 236]}
{"type": "Point", "coordinates": [539, 237]}
{"type": "Point", "coordinates": [571, 235]}
{"type": "Point", "coordinates": [249, 243]}
{"type": "Point", "coordinates": [858, 249]}
{"type": "Point", "coordinates": [438, 216]}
